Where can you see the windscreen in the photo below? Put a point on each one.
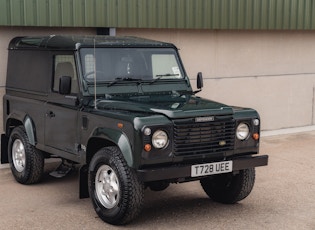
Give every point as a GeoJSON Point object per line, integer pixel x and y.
{"type": "Point", "coordinates": [147, 64]}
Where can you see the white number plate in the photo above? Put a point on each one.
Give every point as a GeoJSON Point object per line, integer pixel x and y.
{"type": "Point", "coordinates": [211, 168]}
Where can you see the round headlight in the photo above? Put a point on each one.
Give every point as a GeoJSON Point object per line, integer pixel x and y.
{"type": "Point", "coordinates": [159, 139]}
{"type": "Point", "coordinates": [242, 131]}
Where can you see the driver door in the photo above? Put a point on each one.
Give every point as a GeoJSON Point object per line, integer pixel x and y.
{"type": "Point", "coordinates": [61, 119]}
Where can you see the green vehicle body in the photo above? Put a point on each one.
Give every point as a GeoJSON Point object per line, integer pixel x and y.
{"type": "Point", "coordinates": [116, 112]}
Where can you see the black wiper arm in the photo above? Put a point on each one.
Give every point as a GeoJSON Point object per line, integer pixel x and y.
{"type": "Point", "coordinates": [159, 76]}
{"type": "Point", "coordinates": [123, 79]}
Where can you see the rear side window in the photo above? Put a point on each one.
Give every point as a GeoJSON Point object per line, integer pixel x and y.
{"type": "Point", "coordinates": [29, 70]}
{"type": "Point", "coordinates": [64, 65]}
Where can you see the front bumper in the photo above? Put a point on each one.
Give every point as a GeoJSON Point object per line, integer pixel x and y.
{"type": "Point", "coordinates": [183, 172]}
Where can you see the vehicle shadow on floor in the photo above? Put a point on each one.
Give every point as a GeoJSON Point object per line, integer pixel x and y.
{"type": "Point", "coordinates": [177, 206]}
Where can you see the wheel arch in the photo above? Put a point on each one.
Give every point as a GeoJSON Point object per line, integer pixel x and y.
{"type": "Point", "coordinates": [102, 137]}
{"type": "Point", "coordinates": [30, 130]}
{"type": "Point", "coordinates": [28, 125]}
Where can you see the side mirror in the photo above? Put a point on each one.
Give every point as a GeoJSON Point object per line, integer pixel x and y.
{"type": "Point", "coordinates": [199, 81]}
{"type": "Point", "coordinates": [65, 85]}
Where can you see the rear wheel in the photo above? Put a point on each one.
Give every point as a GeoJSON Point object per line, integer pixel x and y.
{"type": "Point", "coordinates": [26, 162]}
{"type": "Point", "coordinates": [229, 188]}
{"type": "Point", "coordinates": [115, 190]}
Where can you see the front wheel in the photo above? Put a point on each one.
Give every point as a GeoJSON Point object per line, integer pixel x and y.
{"type": "Point", "coordinates": [115, 190]}
{"type": "Point", "coordinates": [229, 188]}
{"type": "Point", "coordinates": [27, 162]}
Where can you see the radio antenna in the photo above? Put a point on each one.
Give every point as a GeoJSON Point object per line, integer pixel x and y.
{"type": "Point", "coordinates": [95, 107]}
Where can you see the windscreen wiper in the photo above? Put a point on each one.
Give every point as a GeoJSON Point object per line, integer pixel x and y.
{"type": "Point", "coordinates": [124, 79]}
{"type": "Point", "coordinates": [159, 76]}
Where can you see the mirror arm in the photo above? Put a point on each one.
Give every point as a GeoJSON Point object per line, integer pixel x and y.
{"type": "Point", "coordinates": [196, 91]}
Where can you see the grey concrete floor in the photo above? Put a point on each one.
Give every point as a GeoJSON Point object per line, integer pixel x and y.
{"type": "Point", "coordinates": [283, 198]}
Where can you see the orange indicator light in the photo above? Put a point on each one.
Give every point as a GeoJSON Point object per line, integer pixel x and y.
{"type": "Point", "coordinates": [120, 125]}
{"type": "Point", "coordinates": [147, 147]}
{"type": "Point", "coordinates": [255, 136]}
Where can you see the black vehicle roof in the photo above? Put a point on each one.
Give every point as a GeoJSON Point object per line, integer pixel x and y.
{"type": "Point", "coordinates": [68, 42]}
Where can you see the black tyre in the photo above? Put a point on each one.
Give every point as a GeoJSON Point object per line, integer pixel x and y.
{"type": "Point", "coordinates": [26, 162]}
{"type": "Point", "coordinates": [229, 188]}
{"type": "Point", "coordinates": [115, 190]}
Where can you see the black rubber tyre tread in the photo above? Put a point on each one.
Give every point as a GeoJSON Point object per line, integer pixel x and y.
{"type": "Point", "coordinates": [34, 163]}
{"type": "Point", "coordinates": [229, 188]}
{"type": "Point", "coordinates": [131, 189]}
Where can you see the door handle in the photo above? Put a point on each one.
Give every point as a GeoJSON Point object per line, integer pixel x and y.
{"type": "Point", "coordinates": [50, 114]}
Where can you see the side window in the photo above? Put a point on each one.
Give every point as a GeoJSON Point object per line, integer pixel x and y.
{"type": "Point", "coordinates": [65, 66]}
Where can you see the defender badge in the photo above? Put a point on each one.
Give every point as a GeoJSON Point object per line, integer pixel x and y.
{"type": "Point", "coordinates": [204, 119]}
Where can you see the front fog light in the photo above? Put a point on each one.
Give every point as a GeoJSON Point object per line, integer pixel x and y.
{"type": "Point", "coordinates": [256, 122]}
{"type": "Point", "coordinates": [242, 131]}
{"type": "Point", "coordinates": [159, 139]}
{"type": "Point", "coordinates": [147, 131]}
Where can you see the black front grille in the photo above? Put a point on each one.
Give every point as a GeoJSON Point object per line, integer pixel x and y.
{"type": "Point", "coordinates": [194, 138]}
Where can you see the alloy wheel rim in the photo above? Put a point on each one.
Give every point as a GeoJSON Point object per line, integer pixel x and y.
{"type": "Point", "coordinates": [107, 187]}
{"type": "Point", "coordinates": [18, 155]}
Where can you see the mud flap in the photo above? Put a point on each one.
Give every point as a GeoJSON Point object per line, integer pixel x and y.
{"type": "Point", "coordinates": [4, 149]}
{"type": "Point", "coordinates": [83, 182]}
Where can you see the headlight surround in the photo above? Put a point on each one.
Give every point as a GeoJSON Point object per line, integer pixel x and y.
{"type": "Point", "coordinates": [242, 131]}
{"type": "Point", "coordinates": [159, 139]}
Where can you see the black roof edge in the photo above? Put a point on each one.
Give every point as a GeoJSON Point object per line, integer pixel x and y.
{"type": "Point", "coordinates": [74, 42]}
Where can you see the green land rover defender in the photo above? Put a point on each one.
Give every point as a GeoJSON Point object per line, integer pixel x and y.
{"type": "Point", "coordinates": [123, 112]}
